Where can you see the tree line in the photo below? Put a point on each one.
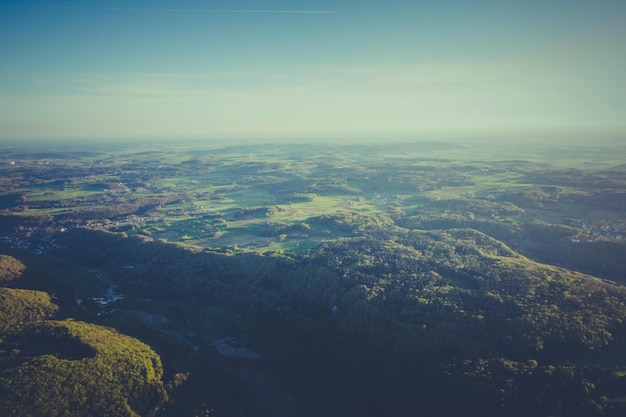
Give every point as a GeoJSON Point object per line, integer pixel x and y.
{"type": "Point", "coordinates": [398, 307]}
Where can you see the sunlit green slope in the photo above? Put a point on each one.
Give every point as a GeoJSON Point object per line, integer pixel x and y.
{"type": "Point", "coordinates": [70, 368]}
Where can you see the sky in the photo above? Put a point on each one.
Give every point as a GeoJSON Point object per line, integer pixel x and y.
{"type": "Point", "coordinates": [289, 68]}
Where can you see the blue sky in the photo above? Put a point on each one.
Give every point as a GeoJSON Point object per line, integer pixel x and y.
{"type": "Point", "coordinates": [208, 69]}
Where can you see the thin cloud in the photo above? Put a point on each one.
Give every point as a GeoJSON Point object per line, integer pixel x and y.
{"type": "Point", "coordinates": [249, 11]}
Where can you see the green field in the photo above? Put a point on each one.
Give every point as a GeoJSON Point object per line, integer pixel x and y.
{"type": "Point", "coordinates": [199, 196]}
{"type": "Point", "coordinates": [379, 275]}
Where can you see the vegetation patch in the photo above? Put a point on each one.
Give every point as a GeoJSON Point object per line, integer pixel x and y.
{"type": "Point", "coordinates": [416, 279]}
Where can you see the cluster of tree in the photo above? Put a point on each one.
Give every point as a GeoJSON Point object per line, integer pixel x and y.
{"type": "Point", "coordinates": [527, 196]}
{"type": "Point", "coordinates": [415, 179]}
{"type": "Point", "coordinates": [330, 186]}
{"type": "Point", "coordinates": [70, 368]}
{"type": "Point", "coordinates": [507, 231]}
{"type": "Point", "coordinates": [548, 242]}
{"type": "Point", "coordinates": [19, 307]}
{"type": "Point", "coordinates": [9, 200]}
{"type": "Point", "coordinates": [277, 229]}
{"type": "Point", "coordinates": [555, 390]}
{"type": "Point", "coordinates": [607, 199]}
{"type": "Point", "coordinates": [123, 376]}
{"type": "Point", "coordinates": [407, 311]}
{"type": "Point", "coordinates": [262, 211]}
{"type": "Point", "coordinates": [297, 198]}
{"type": "Point", "coordinates": [600, 258]}
{"type": "Point", "coordinates": [351, 222]}
{"type": "Point", "coordinates": [15, 223]}
{"type": "Point", "coordinates": [10, 269]}
{"type": "Point", "coordinates": [388, 319]}
{"type": "Point", "coordinates": [578, 178]}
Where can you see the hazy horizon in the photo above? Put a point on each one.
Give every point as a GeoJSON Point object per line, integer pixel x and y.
{"type": "Point", "coordinates": [279, 70]}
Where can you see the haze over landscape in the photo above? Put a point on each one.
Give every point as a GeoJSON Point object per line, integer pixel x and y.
{"type": "Point", "coordinates": [293, 69]}
{"type": "Point", "coordinates": [296, 209]}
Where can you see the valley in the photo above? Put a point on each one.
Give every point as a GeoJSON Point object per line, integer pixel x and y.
{"type": "Point", "coordinates": [362, 278]}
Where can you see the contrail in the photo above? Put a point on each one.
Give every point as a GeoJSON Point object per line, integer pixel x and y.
{"type": "Point", "coordinates": [134, 9]}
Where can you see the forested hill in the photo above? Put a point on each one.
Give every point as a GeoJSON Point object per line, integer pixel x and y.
{"type": "Point", "coordinates": [419, 315]}
{"type": "Point", "coordinates": [69, 368]}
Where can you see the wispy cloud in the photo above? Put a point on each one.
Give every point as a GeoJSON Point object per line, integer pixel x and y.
{"type": "Point", "coordinates": [182, 10]}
